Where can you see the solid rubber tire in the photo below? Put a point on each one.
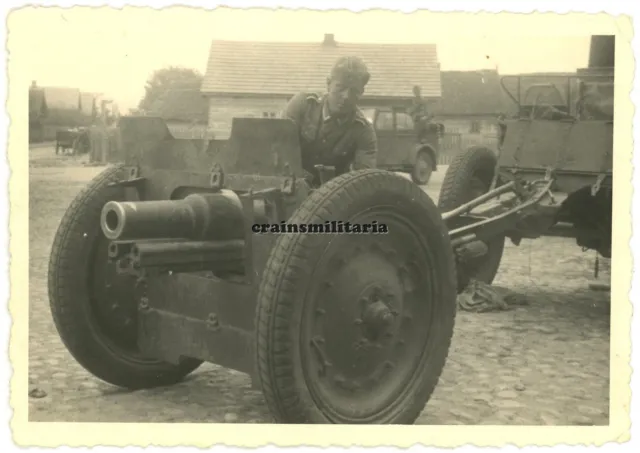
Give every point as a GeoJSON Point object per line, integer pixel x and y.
{"type": "Point", "coordinates": [69, 295]}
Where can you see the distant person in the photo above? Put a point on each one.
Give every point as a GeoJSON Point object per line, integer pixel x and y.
{"type": "Point", "coordinates": [419, 114]}
{"type": "Point", "coordinates": [333, 130]}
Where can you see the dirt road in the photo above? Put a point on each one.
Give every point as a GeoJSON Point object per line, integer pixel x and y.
{"type": "Point", "coordinates": [546, 362]}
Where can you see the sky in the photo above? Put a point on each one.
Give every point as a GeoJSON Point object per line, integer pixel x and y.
{"type": "Point", "coordinates": [114, 51]}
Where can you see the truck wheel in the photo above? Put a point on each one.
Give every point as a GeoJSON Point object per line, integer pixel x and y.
{"type": "Point", "coordinates": [93, 308]}
{"type": "Point", "coordinates": [469, 176]}
{"type": "Point", "coordinates": [422, 169]}
{"type": "Point", "coordinates": [356, 328]}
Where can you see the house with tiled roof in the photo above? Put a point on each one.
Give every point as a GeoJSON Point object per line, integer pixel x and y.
{"type": "Point", "coordinates": [256, 79]}
{"type": "Point", "coordinates": [469, 107]}
{"type": "Point", "coordinates": [53, 108]}
{"type": "Point", "coordinates": [62, 98]}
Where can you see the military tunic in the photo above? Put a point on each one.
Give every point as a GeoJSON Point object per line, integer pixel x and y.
{"type": "Point", "coordinates": [420, 115]}
{"type": "Point", "coordinates": [347, 143]}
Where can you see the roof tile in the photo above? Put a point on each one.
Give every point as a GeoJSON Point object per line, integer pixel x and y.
{"type": "Point", "coordinates": [276, 68]}
{"type": "Point", "coordinates": [62, 98]}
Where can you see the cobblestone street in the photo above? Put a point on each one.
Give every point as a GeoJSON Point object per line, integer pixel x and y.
{"type": "Point", "coordinates": [542, 363]}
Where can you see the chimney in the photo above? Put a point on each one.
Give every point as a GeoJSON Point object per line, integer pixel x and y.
{"type": "Point", "coordinates": [329, 40]}
{"type": "Point", "coordinates": [34, 84]}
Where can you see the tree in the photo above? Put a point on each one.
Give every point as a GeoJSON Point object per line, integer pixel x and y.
{"type": "Point", "coordinates": [169, 78]}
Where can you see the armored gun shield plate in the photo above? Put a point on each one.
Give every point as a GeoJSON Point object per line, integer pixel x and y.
{"type": "Point", "coordinates": [94, 307]}
{"type": "Point", "coordinates": [355, 328]}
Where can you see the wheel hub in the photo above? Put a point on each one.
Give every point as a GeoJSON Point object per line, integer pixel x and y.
{"type": "Point", "coordinates": [377, 316]}
{"type": "Point", "coordinates": [361, 345]}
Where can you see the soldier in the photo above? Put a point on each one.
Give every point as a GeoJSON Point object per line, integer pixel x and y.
{"type": "Point", "coordinates": [419, 114]}
{"type": "Point", "coordinates": [333, 131]}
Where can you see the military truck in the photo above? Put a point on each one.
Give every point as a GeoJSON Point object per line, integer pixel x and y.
{"type": "Point", "coordinates": [400, 148]}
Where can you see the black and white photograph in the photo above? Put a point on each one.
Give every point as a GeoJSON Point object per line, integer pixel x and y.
{"type": "Point", "coordinates": [249, 216]}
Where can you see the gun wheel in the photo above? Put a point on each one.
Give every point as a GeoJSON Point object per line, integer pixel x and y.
{"type": "Point", "coordinates": [93, 307]}
{"type": "Point", "coordinates": [356, 328]}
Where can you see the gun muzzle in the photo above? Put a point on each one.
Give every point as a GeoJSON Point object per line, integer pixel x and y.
{"type": "Point", "coordinates": [198, 217]}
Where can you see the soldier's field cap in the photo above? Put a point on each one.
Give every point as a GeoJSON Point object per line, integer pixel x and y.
{"type": "Point", "coordinates": [352, 71]}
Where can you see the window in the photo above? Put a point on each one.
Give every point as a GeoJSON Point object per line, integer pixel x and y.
{"type": "Point", "coordinates": [404, 122]}
{"type": "Point", "coordinates": [475, 127]}
{"type": "Point", "coordinates": [384, 122]}
{"type": "Point", "coordinates": [269, 114]}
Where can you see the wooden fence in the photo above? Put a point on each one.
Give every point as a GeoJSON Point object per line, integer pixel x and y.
{"type": "Point", "coordinates": [453, 143]}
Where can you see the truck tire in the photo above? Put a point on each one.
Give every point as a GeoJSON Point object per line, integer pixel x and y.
{"type": "Point", "coordinates": [90, 310]}
{"type": "Point", "coordinates": [469, 175]}
{"type": "Point", "coordinates": [317, 326]}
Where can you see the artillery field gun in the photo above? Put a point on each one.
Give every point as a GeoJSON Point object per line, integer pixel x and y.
{"type": "Point", "coordinates": [178, 256]}
{"type": "Point", "coordinates": [157, 266]}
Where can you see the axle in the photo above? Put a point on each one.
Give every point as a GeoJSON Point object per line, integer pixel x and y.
{"type": "Point", "coordinates": [484, 217]}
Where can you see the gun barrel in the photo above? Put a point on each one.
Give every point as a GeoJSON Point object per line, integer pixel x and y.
{"type": "Point", "coordinates": [198, 217]}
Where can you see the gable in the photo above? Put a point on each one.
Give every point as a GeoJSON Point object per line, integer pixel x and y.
{"type": "Point", "coordinates": [62, 98]}
{"type": "Point", "coordinates": [276, 68]}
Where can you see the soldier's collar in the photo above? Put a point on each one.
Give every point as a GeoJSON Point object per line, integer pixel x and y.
{"type": "Point", "coordinates": [326, 116]}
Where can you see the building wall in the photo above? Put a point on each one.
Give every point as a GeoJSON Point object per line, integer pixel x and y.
{"type": "Point", "coordinates": [460, 131]}
{"type": "Point", "coordinates": [222, 109]}
{"type": "Point", "coordinates": [464, 131]}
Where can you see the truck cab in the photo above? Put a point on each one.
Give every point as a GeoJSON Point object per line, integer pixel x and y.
{"type": "Point", "coordinates": [399, 147]}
